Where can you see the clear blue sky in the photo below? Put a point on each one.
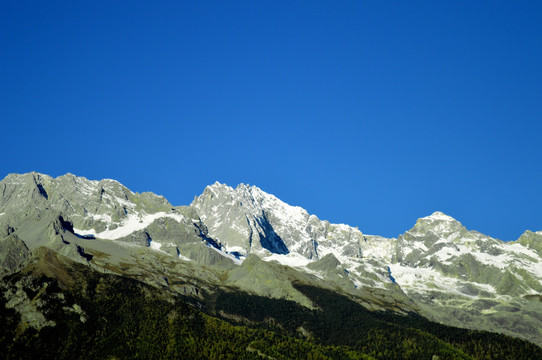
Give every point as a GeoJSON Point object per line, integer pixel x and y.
{"type": "Point", "coordinates": [370, 113]}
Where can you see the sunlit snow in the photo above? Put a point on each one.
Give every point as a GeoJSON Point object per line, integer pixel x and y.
{"type": "Point", "coordinates": [132, 223]}
{"type": "Point", "coordinates": [292, 259]}
{"type": "Point", "coordinates": [229, 256]}
{"type": "Point", "coordinates": [155, 245]}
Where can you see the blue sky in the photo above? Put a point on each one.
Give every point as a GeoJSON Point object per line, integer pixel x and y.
{"type": "Point", "coordinates": [370, 113]}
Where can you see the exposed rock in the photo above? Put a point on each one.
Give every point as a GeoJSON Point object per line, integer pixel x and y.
{"type": "Point", "coordinates": [14, 254]}
{"type": "Point", "coordinates": [246, 239]}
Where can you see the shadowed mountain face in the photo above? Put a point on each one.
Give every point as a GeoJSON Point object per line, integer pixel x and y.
{"type": "Point", "coordinates": [58, 309]}
{"type": "Point", "coordinates": [243, 239]}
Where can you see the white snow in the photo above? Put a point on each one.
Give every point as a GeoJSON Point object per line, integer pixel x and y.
{"type": "Point", "coordinates": [292, 259]}
{"type": "Point", "coordinates": [422, 280]}
{"type": "Point", "coordinates": [298, 229]}
{"type": "Point", "coordinates": [323, 251]}
{"type": "Point", "coordinates": [229, 256]}
{"type": "Point", "coordinates": [292, 224]}
{"type": "Point", "coordinates": [377, 247]}
{"type": "Point", "coordinates": [131, 224]}
{"type": "Point", "coordinates": [87, 187]}
{"type": "Point", "coordinates": [238, 249]}
{"type": "Point", "coordinates": [446, 255]}
{"type": "Point", "coordinates": [155, 245]}
{"type": "Point", "coordinates": [500, 261]}
{"type": "Point", "coordinates": [182, 257]}
{"type": "Point", "coordinates": [520, 249]}
{"type": "Point", "coordinates": [358, 284]}
{"type": "Point", "coordinates": [101, 217]}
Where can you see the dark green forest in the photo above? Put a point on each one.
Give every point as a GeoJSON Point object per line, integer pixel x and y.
{"type": "Point", "coordinates": [123, 318]}
{"type": "Point", "coordinates": [340, 321]}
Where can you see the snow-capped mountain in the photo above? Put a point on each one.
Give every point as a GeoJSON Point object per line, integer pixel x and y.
{"type": "Point", "coordinates": [466, 278]}
{"type": "Point", "coordinates": [245, 238]}
{"type": "Point", "coordinates": [438, 263]}
{"type": "Point", "coordinates": [248, 220]}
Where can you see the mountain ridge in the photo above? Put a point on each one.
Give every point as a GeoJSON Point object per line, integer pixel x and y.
{"type": "Point", "coordinates": [438, 268]}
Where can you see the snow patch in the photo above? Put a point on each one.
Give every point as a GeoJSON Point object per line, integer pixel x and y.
{"type": "Point", "coordinates": [236, 249]}
{"type": "Point", "coordinates": [500, 261]}
{"type": "Point", "coordinates": [424, 280]}
{"type": "Point", "coordinates": [129, 225]}
{"type": "Point", "coordinates": [377, 247]}
{"type": "Point", "coordinates": [184, 258]}
{"type": "Point", "coordinates": [229, 256]}
{"type": "Point", "coordinates": [155, 245]}
{"type": "Point", "coordinates": [520, 249]}
{"type": "Point", "coordinates": [101, 217]}
{"type": "Point", "coordinates": [292, 259]}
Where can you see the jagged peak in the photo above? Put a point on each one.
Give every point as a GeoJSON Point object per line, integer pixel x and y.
{"type": "Point", "coordinates": [241, 189]}
{"type": "Point", "coordinates": [105, 183]}
{"type": "Point", "coordinates": [36, 176]}
{"type": "Point", "coordinates": [250, 188]}
{"type": "Point", "coordinates": [440, 216]}
{"type": "Point", "coordinates": [76, 178]}
{"type": "Point", "coordinates": [111, 181]}
{"type": "Point", "coordinates": [70, 175]}
{"type": "Point", "coordinates": [438, 222]}
{"type": "Point", "coordinates": [244, 186]}
{"type": "Point", "coordinates": [256, 194]}
{"type": "Point", "coordinates": [18, 178]}
{"type": "Point", "coordinates": [217, 185]}
{"type": "Point", "coordinates": [73, 176]}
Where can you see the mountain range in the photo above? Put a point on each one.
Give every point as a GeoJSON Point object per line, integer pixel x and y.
{"type": "Point", "coordinates": [233, 244]}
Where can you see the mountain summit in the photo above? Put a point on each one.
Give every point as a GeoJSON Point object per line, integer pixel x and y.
{"type": "Point", "coordinates": [246, 239]}
{"type": "Point", "coordinates": [246, 219]}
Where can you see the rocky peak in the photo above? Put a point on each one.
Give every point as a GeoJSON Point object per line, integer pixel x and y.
{"type": "Point", "coordinates": [453, 273]}
{"type": "Point", "coordinates": [88, 204]}
{"type": "Point", "coordinates": [19, 191]}
{"type": "Point", "coordinates": [531, 240]}
{"type": "Point", "coordinates": [439, 216]}
{"type": "Point", "coordinates": [235, 219]}
{"type": "Point", "coordinates": [439, 225]}
{"type": "Point", "coordinates": [247, 219]}
{"type": "Point", "coordinates": [429, 235]}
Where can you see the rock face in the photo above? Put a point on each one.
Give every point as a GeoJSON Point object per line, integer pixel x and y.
{"type": "Point", "coordinates": [13, 254]}
{"type": "Point", "coordinates": [247, 239]}
{"type": "Point", "coordinates": [481, 264]}
{"type": "Point", "coordinates": [469, 279]}
{"type": "Point", "coordinates": [246, 219]}
{"type": "Point", "coordinates": [532, 241]}
{"type": "Point", "coordinates": [94, 209]}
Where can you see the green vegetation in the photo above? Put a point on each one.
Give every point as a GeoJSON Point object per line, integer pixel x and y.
{"type": "Point", "coordinates": [382, 335]}
{"type": "Point", "coordinates": [101, 316]}
{"type": "Point", "coordinates": [125, 319]}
